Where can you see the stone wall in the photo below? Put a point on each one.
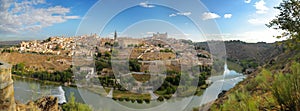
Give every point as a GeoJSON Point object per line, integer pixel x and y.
{"type": "Point", "coordinates": [7, 101]}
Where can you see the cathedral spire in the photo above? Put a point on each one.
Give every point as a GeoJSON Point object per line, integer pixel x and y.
{"type": "Point", "coordinates": [115, 36]}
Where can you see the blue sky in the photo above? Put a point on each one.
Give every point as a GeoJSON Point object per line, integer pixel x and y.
{"type": "Point", "coordinates": [197, 20]}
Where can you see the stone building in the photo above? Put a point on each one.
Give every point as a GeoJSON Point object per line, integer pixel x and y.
{"type": "Point", "coordinates": [160, 36]}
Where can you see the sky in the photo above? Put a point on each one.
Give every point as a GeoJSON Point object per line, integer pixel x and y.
{"type": "Point", "coordinates": [198, 20]}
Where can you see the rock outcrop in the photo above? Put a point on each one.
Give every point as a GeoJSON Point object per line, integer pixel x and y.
{"type": "Point", "coordinates": [7, 100]}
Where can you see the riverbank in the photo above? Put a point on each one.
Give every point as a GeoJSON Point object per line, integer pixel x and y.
{"type": "Point", "coordinates": [117, 95]}
{"type": "Point", "coordinates": [44, 81]}
{"type": "Point", "coordinates": [31, 89]}
{"type": "Point", "coordinates": [35, 79]}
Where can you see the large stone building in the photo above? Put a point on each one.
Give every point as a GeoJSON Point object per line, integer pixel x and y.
{"type": "Point", "coordinates": [160, 36]}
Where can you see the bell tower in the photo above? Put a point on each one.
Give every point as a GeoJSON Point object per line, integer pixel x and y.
{"type": "Point", "coordinates": [115, 36]}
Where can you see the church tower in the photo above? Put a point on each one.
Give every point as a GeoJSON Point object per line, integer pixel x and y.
{"type": "Point", "coordinates": [115, 36]}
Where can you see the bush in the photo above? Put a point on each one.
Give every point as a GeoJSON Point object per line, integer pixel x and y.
{"type": "Point", "coordinates": [239, 101]}
{"type": "Point", "coordinates": [286, 90]}
{"type": "Point", "coordinates": [121, 99]}
{"type": "Point", "coordinates": [140, 101]}
{"type": "Point", "coordinates": [132, 100]}
{"type": "Point", "coordinates": [74, 106]}
{"type": "Point", "coordinates": [147, 101]}
{"type": "Point", "coordinates": [160, 98]}
{"type": "Point", "coordinates": [167, 96]}
{"type": "Point", "coordinates": [127, 99]}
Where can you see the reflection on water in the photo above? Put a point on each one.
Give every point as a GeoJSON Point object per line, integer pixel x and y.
{"type": "Point", "coordinates": [26, 90]}
{"type": "Point", "coordinates": [223, 82]}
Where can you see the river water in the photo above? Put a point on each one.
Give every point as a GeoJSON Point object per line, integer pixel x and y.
{"type": "Point", "coordinates": [26, 90]}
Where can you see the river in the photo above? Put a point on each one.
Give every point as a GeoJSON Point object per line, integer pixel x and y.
{"type": "Point", "coordinates": [26, 90]}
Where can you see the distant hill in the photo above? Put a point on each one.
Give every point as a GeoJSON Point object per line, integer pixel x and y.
{"type": "Point", "coordinates": [9, 43]}
{"type": "Point", "coordinates": [248, 55]}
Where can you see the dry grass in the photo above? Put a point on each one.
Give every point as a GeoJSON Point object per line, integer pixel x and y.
{"type": "Point", "coordinates": [36, 61]}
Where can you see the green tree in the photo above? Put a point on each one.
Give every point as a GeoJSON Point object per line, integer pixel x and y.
{"type": "Point", "coordinates": [134, 65]}
{"type": "Point", "coordinates": [74, 106]}
{"type": "Point", "coordinates": [289, 21]}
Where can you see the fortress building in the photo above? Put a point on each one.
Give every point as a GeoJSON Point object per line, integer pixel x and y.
{"type": "Point", "coordinates": [160, 36]}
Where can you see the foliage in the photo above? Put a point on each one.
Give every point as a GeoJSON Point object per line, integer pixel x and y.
{"type": "Point", "coordinates": [57, 76]}
{"type": "Point", "coordinates": [8, 50]}
{"type": "Point", "coordinates": [102, 63]}
{"type": "Point", "coordinates": [134, 65]}
{"type": "Point", "coordinates": [107, 54]}
{"type": "Point", "coordinates": [160, 98]}
{"type": "Point", "coordinates": [278, 91]}
{"type": "Point", "coordinates": [74, 106]}
{"type": "Point", "coordinates": [289, 21]}
{"type": "Point", "coordinates": [286, 90]}
{"type": "Point", "coordinates": [140, 101]}
{"type": "Point", "coordinates": [248, 64]}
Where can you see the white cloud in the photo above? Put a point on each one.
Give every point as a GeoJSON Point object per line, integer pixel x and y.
{"type": "Point", "coordinates": [146, 5]}
{"type": "Point", "coordinates": [150, 32]}
{"type": "Point", "coordinates": [184, 13]}
{"type": "Point", "coordinates": [180, 35]}
{"type": "Point", "coordinates": [17, 17]}
{"type": "Point", "coordinates": [247, 1]}
{"type": "Point", "coordinates": [258, 21]}
{"type": "Point", "coordinates": [266, 35]}
{"type": "Point", "coordinates": [261, 7]}
{"type": "Point", "coordinates": [253, 36]}
{"type": "Point", "coordinates": [72, 17]}
{"type": "Point", "coordinates": [172, 15]}
{"type": "Point", "coordinates": [209, 15]}
{"type": "Point", "coordinates": [227, 16]}
{"type": "Point", "coordinates": [180, 13]}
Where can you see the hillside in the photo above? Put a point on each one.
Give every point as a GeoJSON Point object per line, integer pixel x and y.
{"type": "Point", "coordinates": [248, 55]}
{"type": "Point", "coordinates": [272, 87]}
{"type": "Point", "coordinates": [37, 62]}
{"type": "Point", "coordinates": [4, 44]}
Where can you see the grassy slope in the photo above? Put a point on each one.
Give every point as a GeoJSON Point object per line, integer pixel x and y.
{"type": "Point", "coordinates": [36, 61]}
{"type": "Point", "coordinates": [234, 66]}
{"type": "Point", "coordinates": [255, 93]}
{"type": "Point", "coordinates": [239, 52]}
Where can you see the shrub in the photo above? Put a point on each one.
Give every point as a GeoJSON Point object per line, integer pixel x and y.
{"type": "Point", "coordinates": [147, 101]}
{"type": "Point", "coordinates": [160, 98]}
{"type": "Point", "coordinates": [74, 106]}
{"type": "Point", "coordinates": [132, 100]}
{"type": "Point", "coordinates": [286, 90]}
{"type": "Point", "coordinates": [127, 99]}
{"type": "Point", "coordinates": [121, 99]}
{"type": "Point", "coordinates": [167, 96]}
{"type": "Point", "coordinates": [140, 101]}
